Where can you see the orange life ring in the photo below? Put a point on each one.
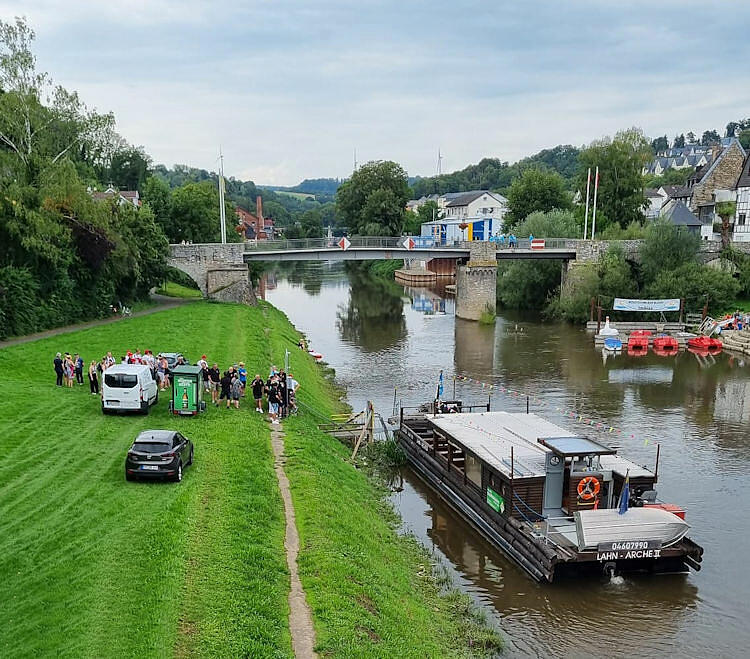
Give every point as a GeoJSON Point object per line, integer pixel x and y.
{"type": "Point", "coordinates": [588, 488]}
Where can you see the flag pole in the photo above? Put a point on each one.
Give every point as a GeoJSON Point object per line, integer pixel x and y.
{"type": "Point", "coordinates": [222, 210]}
{"type": "Point", "coordinates": [596, 189]}
{"type": "Point", "coordinates": [586, 220]}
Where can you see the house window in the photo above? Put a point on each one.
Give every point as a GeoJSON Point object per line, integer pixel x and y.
{"type": "Point", "coordinates": [741, 219]}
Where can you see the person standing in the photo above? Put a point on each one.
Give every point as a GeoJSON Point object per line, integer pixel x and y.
{"type": "Point", "coordinates": [214, 379]}
{"type": "Point", "coordinates": [283, 401]}
{"type": "Point", "coordinates": [242, 372]}
{"type": "Point", "coordinates": [110, 360]}
{"type": "Point", "coordinates": [203, 365]}
{"type": "Point", "coordinates": [236, 391]}
{"type": "Point", "coordinates": [291, 387]}
{"type": "Point", "coordinates": [258, 386]}
{"type": "Point", "coordinates": [226, 388]}
{"type": "Point", "coordinates": [58, 362]}
{"type": "Point", "coordinates": [69, 370]}
{"type": "Point", "coordinates": [78, 364]}
{"type": "Point", "coordinates": [93, 378]}
{"type": "Point", "coordinates": [273, 399]}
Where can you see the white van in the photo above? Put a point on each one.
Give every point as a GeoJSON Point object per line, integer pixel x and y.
{"type": "Point", "coordinates": [128, 387]}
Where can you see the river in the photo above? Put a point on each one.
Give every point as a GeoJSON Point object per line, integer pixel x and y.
{"type": "Point", "coordinates": [379, 336]}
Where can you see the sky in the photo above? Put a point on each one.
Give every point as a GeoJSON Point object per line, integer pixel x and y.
{"type": "Point", "coordinates": [289, 89]}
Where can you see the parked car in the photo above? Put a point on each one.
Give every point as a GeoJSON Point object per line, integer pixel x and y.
{"type": "Point", "coordinates": [173, 358]}
{"type": "Point", "coordinates": [159, 454]}
{"type": "Point", "coordinates": [128, 387]}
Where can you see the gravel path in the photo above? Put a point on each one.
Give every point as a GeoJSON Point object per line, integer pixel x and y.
{"type": "Point", "coordinates": [300, 618]}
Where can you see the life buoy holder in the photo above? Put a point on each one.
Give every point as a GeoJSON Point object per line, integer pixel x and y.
{"type": "Point", "coordinates": [588, 488]}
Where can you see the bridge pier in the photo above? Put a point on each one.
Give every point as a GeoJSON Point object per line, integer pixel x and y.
{"type": "Point", "coordinates": [476, 283]}
{"type": "Point", "coordinates": [219, 270]}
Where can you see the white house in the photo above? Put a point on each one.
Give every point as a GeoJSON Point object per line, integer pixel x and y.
{"type": "Point", "coordinates": [656, 199]}
{"type": "Point", "coordinates": [481, 210]}
{"type": "Point", "coordinates": [741, 231]}
{"type": "Point", "coordinates": [123, 196]}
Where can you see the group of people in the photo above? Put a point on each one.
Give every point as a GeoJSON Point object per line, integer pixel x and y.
{"type": "Point", "coordinates": [512, 241]}
{"type": "Point", "coordinates": [278, 389]}
{"type": "Point", "coordinates": [737, 320]}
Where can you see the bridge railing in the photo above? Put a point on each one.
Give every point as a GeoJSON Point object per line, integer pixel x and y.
{"type": "Point", "coordinates": [389, 242]}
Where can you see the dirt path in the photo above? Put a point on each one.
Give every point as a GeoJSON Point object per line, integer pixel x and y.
{"type": "Point", "coordinates": [163, 303]}
{"type": "Point", "coordinates": [300, 618]}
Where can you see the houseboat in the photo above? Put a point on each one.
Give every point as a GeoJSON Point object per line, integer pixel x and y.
{"type": "Point", "coordinates": [556, 504]}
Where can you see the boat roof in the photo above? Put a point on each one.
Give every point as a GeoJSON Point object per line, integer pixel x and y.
{"type": "Point", "coordinates": [491, 435]}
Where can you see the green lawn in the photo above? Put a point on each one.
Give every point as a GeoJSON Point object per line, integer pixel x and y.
{"type": "Point", "coordinates": [94, 566]}
{"type": "Point", "coordinates": [173, 289]}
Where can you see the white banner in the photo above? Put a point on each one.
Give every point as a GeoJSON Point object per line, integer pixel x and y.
{"type": "Point", "coordinates": [623, 304]}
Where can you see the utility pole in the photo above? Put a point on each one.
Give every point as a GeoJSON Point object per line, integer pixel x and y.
{"type": "Point", "coordinates": [355, 158]}
{"type": "Point", "coordinates": [439, 163]}
{"type": "Point", "coordinates": [222, 210]}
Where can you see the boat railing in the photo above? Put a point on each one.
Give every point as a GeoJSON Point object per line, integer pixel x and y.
{"type": "Point", "coordinates": [549, 524]}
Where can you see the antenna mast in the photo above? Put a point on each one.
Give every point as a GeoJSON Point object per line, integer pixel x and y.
{"type": "Point", "coordinates": [439, 163]}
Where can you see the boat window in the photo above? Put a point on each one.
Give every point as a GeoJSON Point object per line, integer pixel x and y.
{"type": "Point", "coordinates": [474, 470]}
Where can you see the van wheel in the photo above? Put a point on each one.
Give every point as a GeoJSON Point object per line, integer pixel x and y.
{"type": "Point", "coordinates": [144, 407]}
{"type": "Point", "coordinates": [156, 398]}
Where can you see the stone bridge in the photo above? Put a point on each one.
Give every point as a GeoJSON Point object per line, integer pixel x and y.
{"type": "Point", "coordinates": [219, 270]}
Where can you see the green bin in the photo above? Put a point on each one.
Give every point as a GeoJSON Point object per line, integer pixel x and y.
{"type": "Point", "coordinates": [187, 390]}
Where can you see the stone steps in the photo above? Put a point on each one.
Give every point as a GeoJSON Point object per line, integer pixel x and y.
{"type": "Point", "coordinates": [737, 341]}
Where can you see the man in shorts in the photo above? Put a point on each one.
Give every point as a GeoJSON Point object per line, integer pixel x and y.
{"type": "Point", "coordinates": [291, 387]}
{"type": "Point", "coordinates": [273, 399]}
{"type": "Point", "coordinates": [214, 381]}
{"type": "Point", "coordinates": [258, 387]}
{"type": "Point", "coordinates": [236, 391]}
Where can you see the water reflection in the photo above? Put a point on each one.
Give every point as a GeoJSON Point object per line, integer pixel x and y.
{"type": "Point", "coordinates": [697, 408]}
{"type": "Point", "coordinates": [373, 318]}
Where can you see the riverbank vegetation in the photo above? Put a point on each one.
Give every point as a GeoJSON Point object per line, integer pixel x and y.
{"type": "Point", "coordinates": [111, 568]}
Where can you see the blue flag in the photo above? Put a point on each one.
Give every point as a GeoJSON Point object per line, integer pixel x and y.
{"type": "Point", "coordinates": [625, 495]}
{"type": "Point", "coordinates": [440, 385]}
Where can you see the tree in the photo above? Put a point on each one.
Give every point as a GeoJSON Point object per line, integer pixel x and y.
{"type": "Point", "coordinates": [30, 130]}
{"type": "Point", "coordinates": [725, 210]}
{"type": "Point", "coordinates": [710, 137]}
{"type": "Point", "coordinates": [535, 190]}
{"type": "Point", "coordinates": [744, 138]}
{"type": "Point", "coordinates": [620, 161]}
{"type": "Point", "coordinates": [311, 224]}
{"type": "Point", "coordinates": [157, 195]}
{"type": "Point", "coordinates": [690, 137]}
{"type": "Point", "coordinates": [128, 169]}
{"type": "Point", "coordinates": [679, 141]}
{"type": "Point", "coordinates": [195, 215]}
{"type": "Point", "coordinates": [373, 200]}
{"type": "Point", "coordinates": [660, 144]}
{"type": "Point", "coordinates": [694, 282]}
{"type": "Point", "coordinates": [667, 247]}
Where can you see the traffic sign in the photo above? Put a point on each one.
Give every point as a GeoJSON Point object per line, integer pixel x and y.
{"type": "Point", "coordinates": [344, 243]}
{"type": "Point", "coordinates": [537, 243]}
{"type": "Point", "coordinates": [409, 243]}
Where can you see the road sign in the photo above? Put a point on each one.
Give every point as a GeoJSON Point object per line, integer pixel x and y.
{"type": "Point", "coordinates": [409, 243]}
{"type": "Point", "coordinates": [537, 243]}
{"type": "Point", "coordinates": [344, 243]}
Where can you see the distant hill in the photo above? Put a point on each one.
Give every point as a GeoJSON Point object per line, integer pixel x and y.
{"type": "Point", "coordinates": [495, 174]}
{"type": "Point", "coordinates": [315, 186]}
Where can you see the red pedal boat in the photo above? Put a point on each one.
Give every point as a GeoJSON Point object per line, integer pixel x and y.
{"type": "Point", "coordinates": [665, 345]}
{"type": "Point", "coordinates": [707, 343]}
{"type": "Point", "coordinates": [638, 342]}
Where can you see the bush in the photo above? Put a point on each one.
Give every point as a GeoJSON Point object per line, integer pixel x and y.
{"type": "Point", "coordinates": [667, 247]}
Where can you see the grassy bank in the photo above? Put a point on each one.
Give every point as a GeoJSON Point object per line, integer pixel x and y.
{"type": "Point", "coordinates": [372, 592]}
{"type": "Point", "coordinates": [94, 566]}
{"type": "Point", "coordinates": [173, 289]}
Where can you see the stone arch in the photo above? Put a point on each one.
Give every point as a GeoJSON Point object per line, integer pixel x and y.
{"type": "Point", "coordinates": [195, 273]}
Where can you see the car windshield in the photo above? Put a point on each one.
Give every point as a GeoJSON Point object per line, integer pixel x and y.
{"type": "Point", "coordinates": [120, 380]}
{"type": "Point", "coordinates": [151, 447]}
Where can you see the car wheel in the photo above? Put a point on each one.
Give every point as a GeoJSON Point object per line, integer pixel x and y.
{"type": "Point", "coordinates": [178, 475]}
{"type": "Point", "coordinates": [190, 459]}
{"type": "Point", "coordinates": [129, 477]}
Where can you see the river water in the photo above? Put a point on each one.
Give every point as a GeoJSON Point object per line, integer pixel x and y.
{"type": "Point", "coordinates": [379, 336]}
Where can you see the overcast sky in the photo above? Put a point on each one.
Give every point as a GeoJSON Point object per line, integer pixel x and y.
{"type": "Point", "coordinates": [290, 89]}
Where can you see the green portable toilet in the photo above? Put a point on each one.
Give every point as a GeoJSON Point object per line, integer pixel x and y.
{"type": "Point", "coordinates": [187, 390]}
